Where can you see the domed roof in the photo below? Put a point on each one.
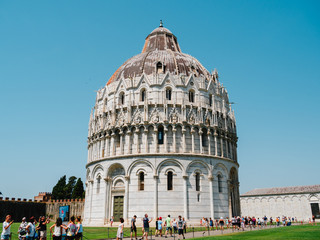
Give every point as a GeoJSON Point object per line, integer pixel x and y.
{"type": "Point", "coordinates": [161, 49]}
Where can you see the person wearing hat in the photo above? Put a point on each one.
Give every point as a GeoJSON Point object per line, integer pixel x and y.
{"type": "Point", "coordinates": [22, 229]}
{"type": "Point", "coordinates": [133, 227]}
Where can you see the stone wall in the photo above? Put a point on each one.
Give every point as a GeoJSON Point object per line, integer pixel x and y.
{"type": "Point", "coordinates": [19, 208]}
{"type": "Point", "coordinates": [290, 205]}
{"type": "Point", "coordinates": [76, 207]}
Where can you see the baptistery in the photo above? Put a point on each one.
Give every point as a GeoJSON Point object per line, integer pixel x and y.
{"type": "Point", "coordinates": [162, 140]}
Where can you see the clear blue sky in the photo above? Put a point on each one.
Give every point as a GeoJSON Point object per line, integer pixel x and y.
{"type": "Point", "coordinates": [54, 55]}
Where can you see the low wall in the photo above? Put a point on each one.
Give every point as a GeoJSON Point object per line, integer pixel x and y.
{"type": "Point", "coordinates": [76, 207]}
{"type": "Point", "coordinates": [19, 208]}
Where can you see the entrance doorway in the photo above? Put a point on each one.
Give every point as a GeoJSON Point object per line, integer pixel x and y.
{"type": "Point", "coordinates": [315, 209]}
{"type": "Point", "coordinates": [117, 208]}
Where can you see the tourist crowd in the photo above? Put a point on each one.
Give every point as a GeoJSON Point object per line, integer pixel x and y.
{"type": "Point", "coordinates": [33, 229]}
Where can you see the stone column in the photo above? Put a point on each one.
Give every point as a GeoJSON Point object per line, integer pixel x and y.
{"type": "Point", "coordinates": [121, 143]}
{"type": "Point", "coordinates": [227, 146]}
{"type": "Point", "coordinates": [155, 207]}
{"type": "Point", "coordinates": [126, 198]}
{"type": "Point", "coordinates": [192, 140]}
{"type": "Point", "coordinates": [107, 145]}
{"type": "Point", "coordinates": [229, 199]}
{"type": "Point", "coordinates": [155, 139]}
{"type": "Point", "coordinates": [210, 178]}
{"type": "Point", "coordinates": [91, 193]}
{"type": "Point", "coordinates": [128, 141]}
{"type": "Point", "coordinates": [200, 136]}
{"type": "Point", "coordinates": [185, 197]}
{"type": "Point", "coordinates": [174, 130]}
{"type": "Point", "coordinates": [165, 133]}
{"type": "Point", "coordinates": [146, 139]}
{"type": "Point", "coordinates": [221, 146]}
{"type": "Point", "coordinates": [209, 142]}
{"type": "Point", "coordinates": [106, 200]}
{"type": "Point", "coordinates": [137, 139]}
{"type": "Point", "coordinates": [113, 147]}
{"type": "Point", "coordinates": [183, 139]}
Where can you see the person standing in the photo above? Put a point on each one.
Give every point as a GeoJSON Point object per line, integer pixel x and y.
{"type": "Point", "coordinates": [43, 227]}
{"type": "Point", "coordinates": [6, 227]}
{"type": "Point", "coordinates": [221, 223]}
{"type": "Point", "coordinates": [31, 229]}
{"type": "Point", "coordinates": [71, 229]}
{"type": "Point", "coordinates": [184, 225]}
{"type": "Point", "coordinates": [22, 229]}
{"type": "Point", "coordinates": [175, 226]}
{"type": "Point", "coordinates": [168, 225]}
{"type": "Point", "coordinates": [57, 232]}
{"type": "Point", "coordinates": [120, 229]}
{"type": "Point", "coordinates": [111, 221]}
{"type": "Point", "coordinates": [160, 226]}
{"type": "Point", "coordinates": [146, 225]}
{"type": "Point", "coordinates": [133, 227]}
{"type": "Point", "coordinates": [180, 227]}
{"type": "Point", "coordinates": [79, 229]}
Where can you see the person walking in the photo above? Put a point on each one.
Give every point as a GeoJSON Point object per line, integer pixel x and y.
{"type": "Point", "coordinates": [180, 227]}
{"type": "Point", "coordinates": [184, 225]}
{"type": "Point", "coordinates": [57, 232]}
{"type": "Point", "coordinates": [146, 227]}
{"type": "Point", "coordinates": [221, 223]}
{"type": "Point", "coordinates": [160, 226]}
{"type": "Point", "coordinates": [120, 229]}
{"type": "Point", "coordinates": [6, 227]}
{"type": "Point", "coordinates": [133, 227]}
{"type": "Point", "coordinates": [175, 226]}
{"type": "Point", "coordinates": [111, 221]}
{"type": "Point", "coordinates": [168, 226]}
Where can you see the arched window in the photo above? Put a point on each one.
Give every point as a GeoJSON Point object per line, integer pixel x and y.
{"type": "Point", "coordinates": [159, 67]}
{"type": "Point", "coordinates": [160, 135]}
{"type": "Point", "coordinates": [117, 140]}
{"type": "Point", "coordinates": [143, 95]}
{"type": "Point", "coordinates": [210, 100]}
{"type": "Point", "coordinates": [141, 181]}
{"type": "Point", "coordinates": [98, 184]}
{"type": "Point", "coordinates": [191, 96]}
{"type": "Point", "coordinates": [168, 93]}
{"type": "Point", "coordinates": [204, 138]}
{"type": "Point", "coordinates": [197, 182]}
{"type": "Point", "coordinates": [170, 180]}
{"type": "Point", "coordinates": [121, 98]}
{"type": "Point", "coordinates": [220, 183]}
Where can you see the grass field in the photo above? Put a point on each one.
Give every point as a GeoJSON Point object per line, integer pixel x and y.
{"type": "Point", "coordinates": [293, 232]}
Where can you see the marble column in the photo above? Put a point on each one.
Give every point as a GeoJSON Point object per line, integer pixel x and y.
{"type": "Point", "coordinates": [113, 147]}
{"type": "Point", "coordinates": [155, 139]}
{"type": "Point", "coordinates": [136, 135]}
{"type": "Point", "coordinates": [227, 146]}
{"type": "Point", "coordinates": [106, 201]}
{"type": "Point", "coordinates": [192, 139]}
{"type": "Point", "coordinates": [128, 142]}
{"type": "Point", "coordinates": [155, 196]}
{"type": "Point", "coordinates": [229, 199]}
{"type": "Point", "coordinates": [221, 146]}
{"type": "Point", "coordinates": [146, 140]}
{"type": "Point", "coordinates": [185, 197]}
{"type": "Point", "coordinates": [174, 130]}
{"type": "Point", "coordinates": [165, 133]}
{"type": "Point", "coordinates": [210, 179]}
{"type": "Point", "coordinates": [126, 198]}
{"type": "Point", "coordinates": [215, 143]}
{"type": "Point", "coordinates": [200, 137]}
{"type": "Point", "coordinates": [121, 142]}
{"type": "Point", "coordinates": [209, 142]}
{"type": "Point", "coordinates": [183, 139]}
{"type": "Point", "coordinates": [107, 150]}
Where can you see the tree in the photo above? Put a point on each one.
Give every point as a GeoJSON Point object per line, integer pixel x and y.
{"type": "Point", "coordinates": [58, 191]}
{"type": "Point", "coordinates": [69, 187]}
{"type": "Point", "coordinates": [78, 190]}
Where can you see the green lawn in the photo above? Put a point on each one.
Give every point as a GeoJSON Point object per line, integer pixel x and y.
{"type": "Point", "coordinates": [293, 232]}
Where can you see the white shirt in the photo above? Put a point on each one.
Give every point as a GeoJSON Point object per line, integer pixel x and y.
{"type": "Point", "coordinates": [32, 230]}
{"type": "Point", "coordinates": [5, 231]}
{"type": "Point", "coordinates": [57, 231]}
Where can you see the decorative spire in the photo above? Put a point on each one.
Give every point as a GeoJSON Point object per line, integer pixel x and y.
{"type": "Point", "coordinates": [161, 24]}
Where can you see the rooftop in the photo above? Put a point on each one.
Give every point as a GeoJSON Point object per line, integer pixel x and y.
{"type": "Point", "coordinates": [283, 190]}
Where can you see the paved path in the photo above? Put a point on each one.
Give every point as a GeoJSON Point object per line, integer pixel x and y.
{"type": "Point", "coordinates": [202, 233]}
